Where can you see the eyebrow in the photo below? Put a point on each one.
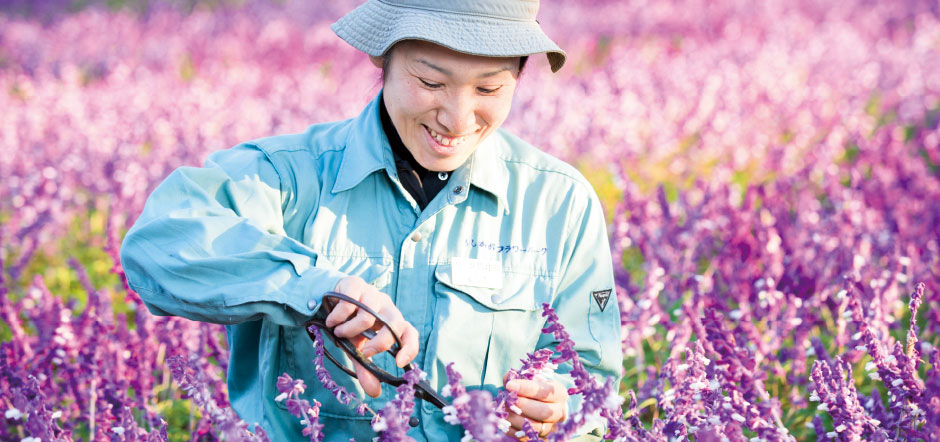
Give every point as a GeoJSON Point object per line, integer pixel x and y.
{"type": "Point", "coordinates": [449, 73]}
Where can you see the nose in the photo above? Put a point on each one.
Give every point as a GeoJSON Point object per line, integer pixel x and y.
{"type": "Point", "coordinates": [458, 115]}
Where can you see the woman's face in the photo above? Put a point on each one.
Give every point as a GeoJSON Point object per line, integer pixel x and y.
{"type": "Point", "coordinates": [444, 103]}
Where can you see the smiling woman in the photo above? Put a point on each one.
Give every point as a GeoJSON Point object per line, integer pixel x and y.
{"type": "Point", "coordinates": [443, 103]}
{"type": "Point", "coordinates": [387, 208]}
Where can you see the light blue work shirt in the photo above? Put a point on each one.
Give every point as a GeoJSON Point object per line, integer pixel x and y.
{"type": "Point", "coordinates": [253, 239]}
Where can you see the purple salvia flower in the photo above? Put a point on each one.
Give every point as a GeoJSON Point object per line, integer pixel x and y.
{"type": "Point", "coordinates": [930, 402]}
{"type": "Point", "coordinates": [535, 364]}
{"type": "Point", "coordinates": [820, 429]}
{"type": "Point", "coordinates": [456, 412]}
{"type": "Point", "coordinates": [323, 375]}
{"type": "Point", "coordinates": [29, 401]}
{"type": "Point", "coordinates": [483, 422]}
{"type": "Point", "coordinates": [633, 417]}
{"type": "Point", "coordinates": [601, 401]}
{"type": "Point", "coordinates": [916, 299]}
{"type": "Point", "coordinates": [392, 420]}
{"type": "Point", "coordinates": [475, 410]}
{"type": "Point", "coordinates": [289, 390]}
{"type": "Point", "coordinates": [873, 405]}
{"type": "Point", "coordinates": [191, 379]}
{"type": "Point", "coordinates": [898, 372]}
{"type": "Point", "coordinates": [835, 391]}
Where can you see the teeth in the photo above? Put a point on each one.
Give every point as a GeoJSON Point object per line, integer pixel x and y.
{"type": "Point", "coordinates": [446, 141]}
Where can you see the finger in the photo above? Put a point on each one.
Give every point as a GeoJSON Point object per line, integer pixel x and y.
{"type": "Point", "coordinates": [546, 429]}
{"type": "Point", "coordinates": [370, 384]}
{"type": "Point", "coordinates": [510, 375]}
{"type": "Point", "coordinates": [544, 391]}
{"type": "Point", "coordinates": [351, 286]}
{"type": "Point", "coordinates": [355, 325]}
{"type": "Point", "coordinates": [358, 341]}
{"type": "Point", "coordinates": [384, 339]}
{"type": "Point", "coordinates": [409, 349]}
{"type": "Point", "coordinates": [340, 313]}
{"type": "Point", "coordinates": [515, 421]}
{"type": "Point", "coordinates": [541, 411]}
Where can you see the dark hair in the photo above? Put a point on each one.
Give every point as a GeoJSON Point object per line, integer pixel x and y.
{"type": "Point", "coordinates": [387, 58]}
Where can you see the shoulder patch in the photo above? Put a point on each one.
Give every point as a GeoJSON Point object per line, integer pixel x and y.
{"type": "Point", "coordinates": [601, 297]}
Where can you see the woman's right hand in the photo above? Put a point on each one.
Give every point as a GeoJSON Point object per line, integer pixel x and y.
{"type": "Point", "coordinates": [349, 321]}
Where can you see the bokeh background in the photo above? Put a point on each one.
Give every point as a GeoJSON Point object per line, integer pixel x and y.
{"type": "Point", "coordinates": [770, 171]}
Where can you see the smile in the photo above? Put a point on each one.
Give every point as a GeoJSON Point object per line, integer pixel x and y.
{"type": "Point", "coordinates": [444, 140]}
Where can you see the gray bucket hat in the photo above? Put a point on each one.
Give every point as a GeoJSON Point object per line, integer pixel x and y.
{"type": "Point", "coordinates": [494, 28]}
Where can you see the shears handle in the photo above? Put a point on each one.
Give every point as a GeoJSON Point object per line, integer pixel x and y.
{"type": "Point", "coordinates": [422, 389]}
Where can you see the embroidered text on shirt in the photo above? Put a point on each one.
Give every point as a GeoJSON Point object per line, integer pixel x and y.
{"type": "Point", "coordinates": [505, 248]}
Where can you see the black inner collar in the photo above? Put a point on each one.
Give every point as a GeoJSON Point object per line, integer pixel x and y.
{"type": "Point", "coordinates": [421, 183]}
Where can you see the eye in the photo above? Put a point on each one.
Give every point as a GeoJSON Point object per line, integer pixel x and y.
{"type": "Point", "coordinates": [429, 84]}
{"type": "Point", "coordinates": [488, 91]}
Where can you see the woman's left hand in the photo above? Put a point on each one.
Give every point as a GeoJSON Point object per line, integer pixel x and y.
{"type": "Point", "coordinates": [541, 402]}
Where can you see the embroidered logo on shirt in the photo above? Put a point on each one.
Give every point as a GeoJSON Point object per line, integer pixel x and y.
{"type": "Point", "coordinates": [601, 297]}
{"type": "Point", "coordinates": [505, 248]}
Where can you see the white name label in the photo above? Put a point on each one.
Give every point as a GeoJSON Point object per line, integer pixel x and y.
{"type": "Point", "coordinates": [477, 272]}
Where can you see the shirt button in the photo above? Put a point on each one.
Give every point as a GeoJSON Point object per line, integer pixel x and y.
{"type": "Point", "coordinates": [416, 236]}
{"type": "Point", "coordinates": [311, 304]}
{"type": "Point", "coordinates": [457, 190]}
{"type": "Point", "coordinates": [496, 299]}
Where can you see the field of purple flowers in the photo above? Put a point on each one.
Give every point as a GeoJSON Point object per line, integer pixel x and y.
{"type": "Point", "coordinates": [770, 171]}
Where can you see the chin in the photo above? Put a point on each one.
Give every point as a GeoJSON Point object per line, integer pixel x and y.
{"type": "Point", "coordinates": [447, 165]}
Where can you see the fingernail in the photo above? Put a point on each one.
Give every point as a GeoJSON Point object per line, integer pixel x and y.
{"type": "Point", "coordinates": [368, 353]}
{"type": "Point", "coordinates": [512, 386]}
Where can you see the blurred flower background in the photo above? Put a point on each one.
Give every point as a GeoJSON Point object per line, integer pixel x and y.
{"type": "Point", "coordinates": [770, 171]}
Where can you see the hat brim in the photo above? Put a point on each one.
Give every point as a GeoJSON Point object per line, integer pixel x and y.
{"type": "Point", "coordinates": [375, 26]}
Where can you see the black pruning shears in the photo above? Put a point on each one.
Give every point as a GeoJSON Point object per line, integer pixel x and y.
{"type": "Point", "coordinates": [423, 390]}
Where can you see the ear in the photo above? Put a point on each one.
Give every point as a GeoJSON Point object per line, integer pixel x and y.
{"type": "Point", "coordinates": [377, 61]}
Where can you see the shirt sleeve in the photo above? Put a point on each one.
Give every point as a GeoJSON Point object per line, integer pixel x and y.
{"type": "Point", "coordinates": [586, 302]}
{"type": "Point", "coordinates": [210, 246]}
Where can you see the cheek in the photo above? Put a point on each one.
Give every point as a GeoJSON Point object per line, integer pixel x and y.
{"type": "Point", "coordinates": [497, 112]}
{"type": "Point", "coordinates": [415, 102]}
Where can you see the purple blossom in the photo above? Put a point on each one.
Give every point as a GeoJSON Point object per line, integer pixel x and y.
{"type": "Point", "coordinates": [189, 374]}
{"type": "Point", "coordinates": [836, 394]}
{"type": "Point", "coordinates": [323, 375]}
{"type": "Point", "coordinates": [475, 410]}
{"type": "Point", "coordinates": [600, 403]}
{"type": "Point", "coordinates": [290, 390]}
{"type": "Point", "coordinates": [392, 422]}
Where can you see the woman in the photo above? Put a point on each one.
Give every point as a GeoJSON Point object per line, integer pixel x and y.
{"type": "Point", "coordinates": [421, 208]}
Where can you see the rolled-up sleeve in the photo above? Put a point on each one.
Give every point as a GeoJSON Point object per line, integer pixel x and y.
{"type": "Point", "coordinates": [586, 301]}
{"type": "Point", "coordinates": [210, 246]}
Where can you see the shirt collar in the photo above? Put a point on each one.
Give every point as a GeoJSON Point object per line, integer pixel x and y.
{"type": "Point", "coordinates": [367, 150]}
{"type": "Point", "coordinates": [489, 171]}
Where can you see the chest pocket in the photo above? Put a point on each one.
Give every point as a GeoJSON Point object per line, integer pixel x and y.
{"type": "Point", "coordinates": [487, 331]}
